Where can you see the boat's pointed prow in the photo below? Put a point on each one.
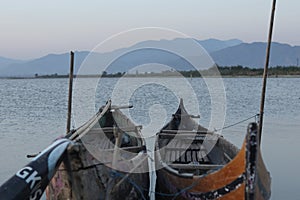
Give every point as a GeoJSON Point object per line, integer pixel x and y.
{"type": "Point", "coordinates": [181, 109]}
{"type": "Point", "coordinates": [258, 180]}
{"type": "Point", "coordinates": [181, 102]}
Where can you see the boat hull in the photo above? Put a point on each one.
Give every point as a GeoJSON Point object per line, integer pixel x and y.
{"type": "Point", "coordinates": [107, 160]}
{"type": "Point", "coordinates": [224, 172]}
{"type": "Point", "coordinates": [207, 186]}
{"type": "Point", "coordinates": [81, 176]}
{"type": "Point", "coordinates": [226, 183]}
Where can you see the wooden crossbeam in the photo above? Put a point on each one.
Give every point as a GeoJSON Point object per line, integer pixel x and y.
{"type": "Point", "coordinates": [195, 166]}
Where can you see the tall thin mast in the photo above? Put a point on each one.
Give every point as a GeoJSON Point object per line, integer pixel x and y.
{"type": "Point", "coordinates": [263, 93]}
{"type": "Point", "coordinates": [70, 91]}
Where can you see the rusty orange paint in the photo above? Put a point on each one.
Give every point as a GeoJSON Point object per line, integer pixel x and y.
{"type": "Point", "coordinates": [215, 180]}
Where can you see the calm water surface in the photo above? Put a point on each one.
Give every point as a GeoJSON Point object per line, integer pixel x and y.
{"type": "Point", "coordinates": [33, 113]}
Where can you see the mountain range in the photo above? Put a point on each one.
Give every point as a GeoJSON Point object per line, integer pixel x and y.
{"type": "Point", "coordinates": [223, 52]}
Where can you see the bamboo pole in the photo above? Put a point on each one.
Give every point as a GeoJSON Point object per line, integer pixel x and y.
{"type": "Point", "coordinates": [263, 93]}
{"type": "Point", "coordinates": [70, 91]}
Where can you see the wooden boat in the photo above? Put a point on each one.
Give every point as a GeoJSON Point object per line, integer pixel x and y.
{"type": "Point", "coordinates": [194, 163]}
{"type": "Point", "coordinates": [107, 160]}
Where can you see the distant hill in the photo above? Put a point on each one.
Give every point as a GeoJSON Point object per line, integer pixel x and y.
{"type": "Point", "coordinates": [212, 45]}
{"type": "Point", "coordinates": [49, 64]}
{"type": "Point", "coordinates": [4, 62]}
{"type": "Point", "coordinates": [224, 53]}
{"type": "Point", "coordinates": [59, 63]}
{"type": "Point", "coordinates": [253, 55]}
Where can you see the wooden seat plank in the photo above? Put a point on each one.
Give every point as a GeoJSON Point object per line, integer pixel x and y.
{"type": "Point", "coordinates": [195, 166]}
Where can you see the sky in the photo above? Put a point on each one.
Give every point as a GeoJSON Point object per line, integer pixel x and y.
{"type": "Point", "coordinates": [34, 28]}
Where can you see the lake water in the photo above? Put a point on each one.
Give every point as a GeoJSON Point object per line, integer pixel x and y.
{"type": "Point", "coordinates": [33, 113]}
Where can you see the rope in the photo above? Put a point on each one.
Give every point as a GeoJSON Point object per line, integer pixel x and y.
{"type": "Point", "coordinates": [140, 189]}
{"type": "Point", "coordinates": [174, 195]}
{"type": "Point", "coordinates": [81, 168]}
{"type": "Point", "coordinates": [115, 174]}
{"type": "Point", "coordinates": [254, 116]}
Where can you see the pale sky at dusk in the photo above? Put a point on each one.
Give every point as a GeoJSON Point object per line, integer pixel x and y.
{"type": "Point", "coordinates": [34, 28]}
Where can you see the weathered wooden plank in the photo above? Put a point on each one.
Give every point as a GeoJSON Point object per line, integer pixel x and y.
{"type": "Point", "coordinates": [195, 166]}
{"type": "Point", "coordinates": [204, 156]}
{"type": "Point", "coordinates": [168, 156]}
{"type": "Point", "coordinates": [173, 156]}
{"type": "Point", "coordinates": [194, 155]}
{"type": "Point", "coordinates": [178, 156]}
{"type": "Point", "coordinates": [133, 149]}
{"type": "Point", "coordinates": [110, 129]}
{"type": "Point", "coordinates": [189, 156]}
{"type": "Point", "coordinates": [186, 132]}
{"type": "Point", "coordinates": [182, 150]}
{"type": "Point", "coordinates": [182, 136]}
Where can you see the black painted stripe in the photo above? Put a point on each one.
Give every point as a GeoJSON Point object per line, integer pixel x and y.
{"type": "Point", "coordinates": [253, 180]}
{"type": "Point", "coordinates": [219, 192]}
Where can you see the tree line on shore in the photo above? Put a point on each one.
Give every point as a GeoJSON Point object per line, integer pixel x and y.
{"type": "Point", "coordinates": [243, 71]}
{"type": "Point", "coordinates": [230, 71]}
{"type": "Point", "coordinates": [246, 71]}
{"type": "Point", "coordinates": [218, 70]}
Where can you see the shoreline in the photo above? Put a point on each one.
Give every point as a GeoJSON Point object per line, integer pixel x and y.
{"type": "Point", "coordinates": [149, 76]}
{"type": "Point", "coordinates": [212, 72]}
